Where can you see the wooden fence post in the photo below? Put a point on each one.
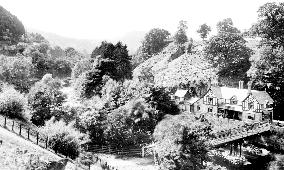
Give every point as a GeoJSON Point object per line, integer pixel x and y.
{"type": "Point", "coordinates": [28, 133]}
{"type": "Point", "coordinates": [143, 154]}
{"type": "Point", "coordinates": [46, 142]}
{"type": "Point", "coordinates": [20, 129]}
{"type": "Point", "coordinates": [13, 125]}
{"type": "Point", "coordinates": [37, 138]}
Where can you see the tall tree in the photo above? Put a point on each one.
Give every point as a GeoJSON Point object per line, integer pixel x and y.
{"type": "Point", "coordinates": [204, 30]}
{"type": "Point", "coordinates": [180, 36]}
{"type": "Point", "coordinates": [271, 24]}
{"type": "Point", "coordinates": [228, 53]}
{"type": "Point", "coordinates": [117, 56]}
{"type": "Point", "coordinates": [268, 68]}
{"type": "Point", "coordinates": [155, 41]}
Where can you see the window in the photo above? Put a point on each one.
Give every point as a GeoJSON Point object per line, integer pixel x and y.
{"type": "Point", "coordinates": [233, 101]}
{"type": "Point", "coordinates": [250, 117]}
{"type": "Point", "coordinates": [250, 105]}
{"type": "Point", "coordinates": [210, 101]}
{"type": "Point", "coordinates": [210, 110]}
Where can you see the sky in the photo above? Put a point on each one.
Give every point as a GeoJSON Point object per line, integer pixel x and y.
{"type": "Point", "coordinates": [111, 19]}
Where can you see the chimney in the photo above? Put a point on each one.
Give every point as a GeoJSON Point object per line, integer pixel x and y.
{"type": "Point", "coordinates": [249, 87]}
{"type": "Point", "coordinates": [241, 84]}
{"type": "Point", "coordinates": [209, 84]}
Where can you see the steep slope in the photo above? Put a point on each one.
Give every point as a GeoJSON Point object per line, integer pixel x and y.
{"type": "Point", "coordinates": [170, 68]}
{"type": "Point", "coordinates": [17, 153]}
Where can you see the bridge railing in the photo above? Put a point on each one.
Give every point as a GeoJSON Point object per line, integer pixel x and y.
{"type": "Point", "coordinates": [240, 132]}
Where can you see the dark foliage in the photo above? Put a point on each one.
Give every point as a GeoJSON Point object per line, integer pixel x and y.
{"type": "Point", "coordinates": [154, 41]}
{"type": "Point", "coordinates": [11, 28]}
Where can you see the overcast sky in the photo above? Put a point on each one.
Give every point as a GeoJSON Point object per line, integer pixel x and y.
{"type": "Point", "coordinates": [110, 19]}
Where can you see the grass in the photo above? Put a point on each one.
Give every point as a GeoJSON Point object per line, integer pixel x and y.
{"type": "Point", "coordinates": [17, 153]}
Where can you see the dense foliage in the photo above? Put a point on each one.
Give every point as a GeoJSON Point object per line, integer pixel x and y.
{"type": "Point", "coordinates": [16, 71]}
{"type": "Point", "coordinates": [11, 28]}
{"type": "Point", "coordinates": [13, 103]}
{"type": "Point", "coordinates": [154, 41]}
{"type": "Point", "coordinates": [180, 37]}
{"type": "Point", "coordinates": [64, 139]}
{"type": "Point", "coordinates": [45, 99]}
{"type": "Point", "coordinates": [204, 30]}
{"type": "Point", "coordinates": [229, 54]}
{"type": "Point", "coordinates": [268, 68]}
{"type": "Point", "coordinates": [180, 142]}
{"type": "Point", "coordinates": [119, 65]}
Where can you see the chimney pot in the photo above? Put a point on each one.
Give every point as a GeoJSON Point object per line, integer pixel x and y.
{"type": "Point", "coordinates": [249, 87]}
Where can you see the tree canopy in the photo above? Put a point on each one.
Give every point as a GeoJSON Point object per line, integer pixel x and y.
{"type": "Point", "coordinates": [204, 30]}
{"type": "Point", "coordinates": [118, 59]}
{"type": "Point", "coordinates": [226, 25]}
{"type": "Point", "coordinates": [267, 69]}
{"type": "Point", "coordinates": [154, 41]}
{"type": "Point", "coordinates": [11, 28]}
{"type": "Point", "coordinates": [180, 37]}
{"type": "Point", "coordinates": [228, 52]}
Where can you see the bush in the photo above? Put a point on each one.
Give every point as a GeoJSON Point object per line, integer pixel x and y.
{"type": "Point", "coordinates": [12, 104]}
{"type": "Point", "coordinates": [64, 138]}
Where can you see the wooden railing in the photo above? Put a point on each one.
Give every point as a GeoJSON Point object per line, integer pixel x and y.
{"type": "Point", "coordinates": [31, 133]}
{"type": "Point", "coordinates": [241, 133]}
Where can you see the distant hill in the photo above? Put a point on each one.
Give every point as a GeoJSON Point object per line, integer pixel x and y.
{"type": "Point", "coordinates": [83, 45]}
{"type": "Point", "coordinates": [132, 40]}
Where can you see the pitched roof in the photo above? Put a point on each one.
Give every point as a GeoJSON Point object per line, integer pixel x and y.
{"type": "Point", "coordinates": [241, 94]}
{"type": "Point", "coordinates": [193, 100]}
{"type": "Point", "coordinates": [216, 91]}
{"type": "Point", "coordinates": [262, 96]}
{"type": "Point", "coordinates": [180, 93]}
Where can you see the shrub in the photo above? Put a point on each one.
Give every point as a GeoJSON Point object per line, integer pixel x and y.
{"type": "Point", "coordinates": [64, 138]}
{"type": "Point", "coordinates": [12, 104]}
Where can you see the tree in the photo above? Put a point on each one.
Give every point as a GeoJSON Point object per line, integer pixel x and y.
{"type": "Point", "coordinates": [11, 28]}
{"type": "Point", "coordinates": [118, 60]}
{"type": "Point", "coordinates": [89, 83]}
{"type": "Point", "coordinates": [180, 142]}
{"type": "Point", "coordinates": [271, 23]}
{"type": "Point", "coordinates": [204, 30]}
{"type": "Point", "coordinates": [45, 99]}
{"type": "Point", "coordinates": [159, 99]}
{"type": "Point", "coordinates": [154, 41]}
{"type": "Point", "coordinates": [267, 70]}
{"type": "Point", "coordinates": [227, 26]}
{"type": "Point", "coordinates": [180, 37]}
{"type": "Point", "coordinates": [16, 71]}
{"type": "Point", "coordinates": [229, 54]}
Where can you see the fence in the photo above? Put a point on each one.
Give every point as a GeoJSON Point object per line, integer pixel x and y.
{"type": "Point", "coordinates": [31, 133]}
{"type": "Point", "coordinates": [126, 151]}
